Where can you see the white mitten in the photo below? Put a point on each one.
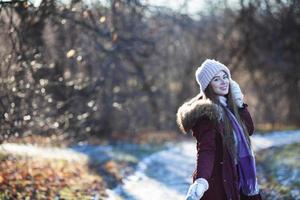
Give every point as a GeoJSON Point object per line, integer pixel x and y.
{"type": "Point", "coordinates": [197, 189]}
{"type": "Point", "coordinates": [237, 94]}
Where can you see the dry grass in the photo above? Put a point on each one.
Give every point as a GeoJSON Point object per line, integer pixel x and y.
{"type": "Point", "coordinates": [35, 178]}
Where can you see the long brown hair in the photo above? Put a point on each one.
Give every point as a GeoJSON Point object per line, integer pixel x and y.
{"type": "Point", "coordinates": [228, 137]}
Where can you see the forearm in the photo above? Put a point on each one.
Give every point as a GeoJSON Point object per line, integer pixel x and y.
{"type": "Point", "coordinates": [205, 164]}
{"type": "Point", "coordinates": [206, 149]}
{"type": "Point", "coordinates": [246, 116]}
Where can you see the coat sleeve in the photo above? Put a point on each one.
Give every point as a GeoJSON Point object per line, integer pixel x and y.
{"type": "Point", "coordinates": [204, 132]}
{"type": "Point", "coordinates": [245, 115]}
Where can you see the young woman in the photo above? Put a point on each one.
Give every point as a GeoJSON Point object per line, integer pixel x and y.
{"type": "Point", "coordinates": [219, 120]}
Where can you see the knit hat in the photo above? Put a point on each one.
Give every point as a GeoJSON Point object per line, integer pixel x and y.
{"type": "Point", "coordinates": [208, 69]}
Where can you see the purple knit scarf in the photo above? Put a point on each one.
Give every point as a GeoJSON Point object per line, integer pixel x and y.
{"type": "Point", "coordinates": [246, 161]}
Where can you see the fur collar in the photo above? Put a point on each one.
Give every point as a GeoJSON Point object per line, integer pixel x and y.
{"type": "Point", "coordinates": [196, 108]}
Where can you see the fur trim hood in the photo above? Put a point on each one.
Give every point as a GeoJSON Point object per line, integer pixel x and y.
{"type": "Point", "coordinates": [198, 107]}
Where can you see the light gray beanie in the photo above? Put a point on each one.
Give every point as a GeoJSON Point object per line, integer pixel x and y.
{"type": "Point", "coordinates": [208, 69]}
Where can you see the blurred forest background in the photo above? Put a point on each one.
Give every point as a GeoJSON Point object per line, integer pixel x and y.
{"type": "Point", "coordinates": [124, 66]}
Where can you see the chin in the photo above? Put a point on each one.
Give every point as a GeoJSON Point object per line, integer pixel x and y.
{"type": "Point", "coordinates": [223, 93]}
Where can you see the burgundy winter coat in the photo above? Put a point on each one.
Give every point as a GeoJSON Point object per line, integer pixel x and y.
{"type": "Point", "coordinates": [214, 163]}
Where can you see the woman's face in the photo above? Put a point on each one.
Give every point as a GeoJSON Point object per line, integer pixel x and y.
{"type": "Point", "coordinates": [220, 83]}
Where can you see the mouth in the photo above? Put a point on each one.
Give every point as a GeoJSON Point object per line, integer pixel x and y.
{"type": "Point", "coordinates": [223, 88]}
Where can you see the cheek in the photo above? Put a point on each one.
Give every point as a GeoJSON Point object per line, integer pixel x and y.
{"type": "Point", "coordinates": [214, 86]}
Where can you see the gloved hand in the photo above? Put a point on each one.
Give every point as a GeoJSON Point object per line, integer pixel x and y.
{"type": "Point", "coordinates": [197, 189]}
{"type": "Point", "coordinates": [237, 94]}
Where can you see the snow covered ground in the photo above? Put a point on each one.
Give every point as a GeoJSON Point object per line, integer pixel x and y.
{"type": "Point", "coordinates": [43, 152]}
{"type": "Point", "coordinates": [163, 175]}
{"type": "Point", "coordinates": [167, 174]}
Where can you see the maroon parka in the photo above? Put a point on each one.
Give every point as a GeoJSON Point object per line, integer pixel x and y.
{"type": "Point", "coordinates": [214, 162]}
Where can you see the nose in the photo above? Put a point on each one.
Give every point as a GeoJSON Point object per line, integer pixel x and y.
{"type": "Point", "coordinates": [223, 81]}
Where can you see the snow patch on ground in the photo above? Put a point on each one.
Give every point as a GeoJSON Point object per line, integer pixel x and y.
{"type": "Point", "coordinates": [274, 139]}
{"type": "Point", "coordinates": [42, 152]}
{"type": "Point", "coordinates": [167, 174]}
